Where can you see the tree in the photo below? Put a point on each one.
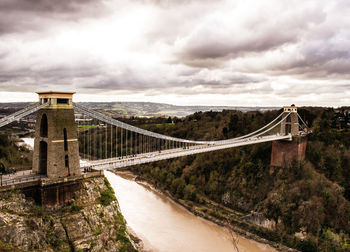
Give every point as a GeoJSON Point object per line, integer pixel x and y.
{"type": "Point", "coordinates": [190, 192]}
{"type": "Point", "coordinates": [232, 126]}
{"type": "Point", "coordinates": [224, 131]}
{"type": "Point", "coordinates": [2, 168]}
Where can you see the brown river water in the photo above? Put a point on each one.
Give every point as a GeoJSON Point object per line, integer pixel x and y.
{"type": "Point", "coordinates": [165, 226]}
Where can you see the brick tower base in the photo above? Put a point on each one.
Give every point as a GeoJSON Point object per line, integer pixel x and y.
{"type": "Point", "coordinates": [284, 152]}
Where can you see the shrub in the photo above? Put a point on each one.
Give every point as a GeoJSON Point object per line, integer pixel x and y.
{"type": "Point", "coordinates": [107, 196]}
{"type": "Point", "coordinates": [75, 208]}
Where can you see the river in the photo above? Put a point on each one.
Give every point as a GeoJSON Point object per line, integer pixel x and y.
{"type": "Point", "coordinates": [28, 141]}
{"type": "Point", "coordinates": [164, 225]}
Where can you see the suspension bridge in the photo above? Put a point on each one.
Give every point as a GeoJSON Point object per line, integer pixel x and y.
{"type": "Point", "coordinates": [106, 143]}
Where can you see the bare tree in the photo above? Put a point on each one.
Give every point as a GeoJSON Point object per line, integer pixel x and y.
{"type": "Point", "coordinates": [234, 236]}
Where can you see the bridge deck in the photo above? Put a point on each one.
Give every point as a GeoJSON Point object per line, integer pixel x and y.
{"type": "Point", "coordinates": [115, 163]}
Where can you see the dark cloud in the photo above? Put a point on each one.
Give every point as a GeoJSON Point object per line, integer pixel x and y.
{"type": "Point", "coordinates": [127, 79]}
{"type": "Point", "coordinates": [315, 59]}
{"type": "Point", "coordinates": [189, 72]}
{"type": "Point", "coordinates": [28, 15]}
{"type": "Point", "coordinates": [219, 41]}
{"type": "Point", "coordinates": [44, 5]}
{"type": "Point", "coordinates": [324, 58]}
{"type": "Point", "coordinates": [244, 79]}
{"type": "Point", "coordinates": [226, 82]}
{"type": "Point", "coordinates": [28, 79]}
{"type": "Point", "coordinates": [169, 3]}
{"type": "Point", "coordinates": [94, 78]}
{"type": "Point", "coordinates": [200, 48]}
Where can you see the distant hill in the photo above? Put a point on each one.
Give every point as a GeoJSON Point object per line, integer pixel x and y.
{"type": "Point", "coordinates": [150, 109]}
{"type": "Point", "coordinates": [145, 109]}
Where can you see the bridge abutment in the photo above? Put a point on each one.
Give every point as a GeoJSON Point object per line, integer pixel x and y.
{"type": "Point", "coordinates": [52, 192]}
{"type": "Point", "coordinates": [285, 152]}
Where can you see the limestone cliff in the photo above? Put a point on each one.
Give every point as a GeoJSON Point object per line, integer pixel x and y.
{"type": "Point", "coordinates": [92, 221]}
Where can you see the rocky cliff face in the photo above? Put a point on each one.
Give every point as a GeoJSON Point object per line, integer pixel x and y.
{"type": "Point", "coordinates": [92, 221]}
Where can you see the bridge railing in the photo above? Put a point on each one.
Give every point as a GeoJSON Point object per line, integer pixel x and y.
{"type": "Point", "coordinates": [17, 180]}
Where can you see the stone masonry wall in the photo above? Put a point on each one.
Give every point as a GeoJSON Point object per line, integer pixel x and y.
{"type": "Point", "coordinates": [285, 152]}
{"type": "Point", "coordinates": [58, 119]}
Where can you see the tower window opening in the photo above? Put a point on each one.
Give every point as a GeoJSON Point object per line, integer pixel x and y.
{"type": "Point", "coordinates": [62, 101]}
{"type": "Point", "coordinates": [43, 158]}
{"type": "Point", "coordinates": [65, 139]}
{"type": "Point", "coordinates": [43, 126]}
{"type": "Point", "coordinates": [66, 164]}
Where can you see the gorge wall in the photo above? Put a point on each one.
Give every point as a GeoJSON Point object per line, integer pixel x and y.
{"type": "Point", "coordinates": [91, 221]}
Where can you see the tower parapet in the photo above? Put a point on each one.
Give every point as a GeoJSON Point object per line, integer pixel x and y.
{"type": "Point", "coordinates": [56, 99]}
{"type": "Point", "coordinates": [56, 151]}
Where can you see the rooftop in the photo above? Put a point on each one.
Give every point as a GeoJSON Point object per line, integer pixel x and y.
{"type": "Point", "coordinates": [55, 92]}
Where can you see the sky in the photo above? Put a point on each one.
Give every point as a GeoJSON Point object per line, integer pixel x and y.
{"type": "Point", "coordinates": [183, 52]}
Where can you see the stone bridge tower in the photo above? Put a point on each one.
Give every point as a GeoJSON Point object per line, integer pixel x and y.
{"type": "Point", "coordinates": [285, 152]}
{"type": "Point", "coordinates": [291, 123]}
{"type": "Point", "coordinates": [56, 151]}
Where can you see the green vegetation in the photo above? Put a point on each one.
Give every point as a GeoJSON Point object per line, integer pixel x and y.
{"type": "Point", "coordinates": [310, 197]}
{"type": "Point", "coordinates": [97, 231]}
{"type": "Point", "coordinates": [159, 124]}
{"type": "Point", "coordinates": [328, 149]}
{"type": "Point", "coordinates": [52, 238]}
{"type": "Point", "coordinates": [122, 237]}
{"type": "Point", "coordinates": [38, 211]}
{"type": "Point", "coordinates": [107, 196]}
{"type": "Point", "coordinates": [6, 247]}
{"type": "Point", "coordinates": [82, 126]}
{"type": "Point", "coordinates": [75, 208]}
{"type": "Point", "coordinates": [13, 157]}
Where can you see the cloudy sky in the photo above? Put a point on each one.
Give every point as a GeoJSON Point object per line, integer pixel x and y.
{"type": "Point", "coordinates": [266, 52]}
